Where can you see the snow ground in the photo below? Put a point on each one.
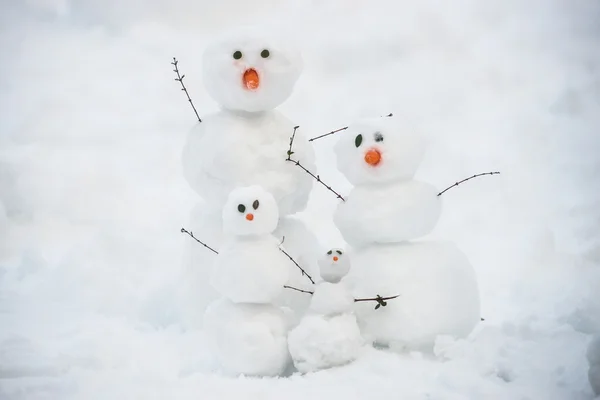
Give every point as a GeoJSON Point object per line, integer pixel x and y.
{"type": "Point", "coordinates": [91, 129]}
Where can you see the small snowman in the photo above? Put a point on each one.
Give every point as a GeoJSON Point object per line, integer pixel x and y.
{"type": "Point", "coordinates": [248, 332]}
{"type": "Point", "coordinates": [328, 335]}
{"type": "Point", "coordinates": [249, 73]}
{"type": "Point", "coordinates": [381, 218]}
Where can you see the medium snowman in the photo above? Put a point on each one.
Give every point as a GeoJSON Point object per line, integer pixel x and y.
{"type": "Point", "coordinates": [248, 333]}
{"type": "Point", "coordinates": [385, 211]}
{"type": "Point", "coordinates": [328, 335]}
{"type": "Point", "coordinates": [245, 143]}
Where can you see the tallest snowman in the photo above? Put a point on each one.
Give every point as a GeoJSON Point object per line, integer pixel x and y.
{"type": "Point", "coordinates": [248, 73]}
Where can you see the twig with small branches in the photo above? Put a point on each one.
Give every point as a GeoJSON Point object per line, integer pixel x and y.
{"type": "Point", "coordinates": [180, 80]}
{"type": "Point", "coordinates": [295, 263]}
{"type": "Point", "coordinates": [316, 177]}
{"type": "Point", "coordinates": [338, 130]}
{"type": "Point", "coordinates": [466, 179]}
{"type": "Point", "coordinates": [380, 300]}
{"type": "Point", "coordinates": [183, 230]}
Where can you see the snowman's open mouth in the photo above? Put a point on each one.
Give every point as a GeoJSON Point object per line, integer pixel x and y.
{"type": "Point", "coordinates": [373, 157]}
{"type": "Point", "coordinates": [250, 79]}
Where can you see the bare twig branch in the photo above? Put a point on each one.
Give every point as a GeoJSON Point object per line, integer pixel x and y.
{"type": "Point", "coordinates": [338, 130]}
{"type": "Point", "coordinates": [317, 178]}
{"type": "Point", "coordinates": [380, 300]}
{"type": "Point", "coordinates": [290, 152]}
{"type": "Point", "coordinates": [296, 264]}
{"type": "Point", "coordinates": [180, 80]}
{"type": "Point", "coordinates": [194, 237]}
{"type": "Point", "coordinates": [328, 133]}
{"type": "Point", "coordinates": [298, 290]}
{"type": "Point", "coordinates": [466, 179]}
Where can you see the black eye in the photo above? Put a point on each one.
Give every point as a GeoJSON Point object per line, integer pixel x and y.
{"type": "Point", "coordinates": [358, 140]}
{"type": "Point", "coordinates": [255, 204]}
{"type": "Point", "coordinates": [339, 252]}
{"type": "Point", "coordinates": [329, 252]}
{"type": "Point", "coordinates": [237, 54]}
{"type": "Point", "coordinates": [241, 208]}
{"type": "Point", "coordinates": [265, 53]}
{"type": "Point", "coordinates": [378, 137]}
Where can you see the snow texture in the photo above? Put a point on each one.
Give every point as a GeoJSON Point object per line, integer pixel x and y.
{"type": "Point", "coordinates": [388, 213]}
{"type": "Point", "coordinates": [593, 357]}
{"type": "Point", "coordinates": [228, 150]}
{"type": "Point", "coordinates": [400, 147]}
{"type": "Point", "coordinates": [437, 288]}
{"type": "Point", "coordinates": [331, 298]}
{"type": "Point", "coordinates": [249, 339]}
{"type": "Point", "coordinates": [92, 126]}
{"type": "Point", "coordinates": [334, 265]}
{"type": "Point", "coordinates": [320, 342]}
{"type": "Point", "coordinates": [277, 72]}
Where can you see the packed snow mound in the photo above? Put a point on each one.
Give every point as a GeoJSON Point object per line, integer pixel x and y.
{"type": "Point", "coordinates": [248, 339]}
{"type": "Point", "coordinates": [250, 269]}
{"type": "Point", "coordinates": [250, 70]}
{"type": "Point", "coordinates": [437, 288]}
{"type": "Point", "coordinates": [388, 213]}
{"type": "Point", "coordinates": [379, 150]}
{"type": "Point", "coordinates": [323, 342]}
{"type": "Point", "coordinates": [250, 211]}
{"type": "Point", "coordinates": [331, 298]}
{"type": "Point", "coordinates": [229, 150]}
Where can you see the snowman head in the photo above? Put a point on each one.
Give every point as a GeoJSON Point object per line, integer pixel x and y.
{"type": "Point", "coordinates": [334, 265]}
{"type": "Point", "coordinates": [379, 150]}
{"type": "Point", "coordinates": [250, 211]}
{"type": "Point", "coordinates": [250, 71]}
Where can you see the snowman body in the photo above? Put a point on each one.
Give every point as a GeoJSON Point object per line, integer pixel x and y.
{"type": "Point", "coordinates": [328, 335]}
{"type": "Point", "coordinates": [246, 143]}
{"type": "Point", "coordinates": [383, 215]}
{"type": "Point", "coordinates": [248, 332]}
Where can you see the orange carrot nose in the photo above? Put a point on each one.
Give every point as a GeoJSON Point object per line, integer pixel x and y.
{"type": "Point", "coordinates": [335, 258]}
{"type": "Point", "coordinates": [373, 157]}
{"type": "Point", "coordinates": [251, 79]}
{"type": "Point", "coordinates": [249, 217]}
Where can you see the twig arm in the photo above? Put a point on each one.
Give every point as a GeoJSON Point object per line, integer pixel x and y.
{"type": "Point", "coordinates": [180, 80]}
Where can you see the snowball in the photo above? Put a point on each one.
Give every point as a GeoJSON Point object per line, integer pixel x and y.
{"type": "Point", "coordinates": [331, 298]}
{"type": "Point", "coordinates": [271, 65]}
{"type": "Point", "coordinates": [228, 150]}
{"type": "Point", "coordinates": [437, 287]}
{"type": "Point", "coordinates": [379, 150]}
{"type": "Point", "coordinates": [388, 213]}
{"type": "Point", "coordinates": [248, 339]}
{"type": "Point", "coordinates": [250, 269]}
{"type": "Point", "coordinates": [250, 211]}
{"type": "Point", "coordinates": [334, 265]}
{"type": "Point", "coordinates": [320, 342]}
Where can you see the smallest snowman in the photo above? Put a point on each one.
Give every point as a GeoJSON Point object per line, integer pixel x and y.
{"type": "Point", "coordinates": [328, 335]}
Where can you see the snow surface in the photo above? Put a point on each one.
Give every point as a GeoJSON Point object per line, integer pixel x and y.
{"type": "Point", "coordinates": [92, 129]}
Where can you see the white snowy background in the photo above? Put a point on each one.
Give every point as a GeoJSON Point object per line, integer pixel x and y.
{"type": "Point", "coordinates": [92, 195]}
